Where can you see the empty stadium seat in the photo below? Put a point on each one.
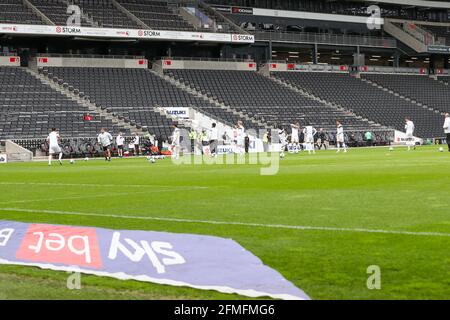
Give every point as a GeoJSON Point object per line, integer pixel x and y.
{"type": "Point", "coordinates": [265, 100]}
{"type": "Point", "coordinates": [366, 100]}
{"type": "Point", "coordinates": [29, 109]}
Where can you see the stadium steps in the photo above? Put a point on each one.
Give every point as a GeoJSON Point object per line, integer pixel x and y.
{"type": "Point", "coordinates": [90, 107]}
{"type": "Point", "coordinates": [38, 12]}
{"type": "Point", "coordinates": [176, 10]}
{"type": "Point", "coordinates": [397, 94]}
{"type": "Point", "coordinates": [129, 14]}
{"type": "Point", "coordinates": [211, 100]}
{"type": "Point", "coordinates": [327, 103]}
{"type": "Point", "coordinates": [219, 17]}
{"type": "Point", "coordinates": [85, 16]}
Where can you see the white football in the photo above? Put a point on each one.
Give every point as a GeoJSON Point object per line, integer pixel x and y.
{"type": "Point", "coordinates": [391, 149]}
{"type": "Point", "coordinates": [441, 149]}
{"type": "Point", "coordinates": [86, 159]}
{"type": "Point", "coordinates": [72, 161]}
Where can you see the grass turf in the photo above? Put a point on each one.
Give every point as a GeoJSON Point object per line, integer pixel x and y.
{"type": "Point", "coordinates": [365, 188]}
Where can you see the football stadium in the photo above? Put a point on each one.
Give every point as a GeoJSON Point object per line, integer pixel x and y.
{"type": "Point", "coordinates": [224, 150]}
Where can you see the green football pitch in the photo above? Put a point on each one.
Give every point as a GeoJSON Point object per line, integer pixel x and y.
{"type": "Point", "coordinates": [321, 221]}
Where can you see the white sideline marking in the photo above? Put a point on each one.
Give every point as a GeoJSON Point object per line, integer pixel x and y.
{"type": "Point", "coordinates": [86, 197]}
{"type": "Point", "coordinates": [101, 185]}
{"type": "Point", "coordinates": [245, 224]}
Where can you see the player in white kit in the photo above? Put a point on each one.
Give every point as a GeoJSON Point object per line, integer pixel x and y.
{"type": "Point", "coordinates": [53, 140]}
{"type": "Point", "coordinates": [409, 127]}
{"type": "Point", "coordinates": [240, 138]}
{"type": "Point", "coordinates": [120, 141]}
{"type": "Point", "coordinates": [295, 139]}
{"type": "Point", "coordinates": [176, 137]}
{"type": "Point", "coordinates": [340, 141]}
{"type": "Point", "coordinates": [309, 132]}
{"type": "Point", "coordinates": [283, 140]}
{"type": "Point", "coordinates": [105, 139]}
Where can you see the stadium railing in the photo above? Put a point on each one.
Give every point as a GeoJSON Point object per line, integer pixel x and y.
{"type": "Point", "coordinates": [324, 38]}
{"type": "Point", "coordinates": [206, 59]}
{"type": "Point", "coordinates": [60, 55]}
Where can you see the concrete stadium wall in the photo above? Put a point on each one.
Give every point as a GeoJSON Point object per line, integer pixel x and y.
{"type": "Point", "coordinates": [17, 153]}
{"type": "Point", "coordinates": [168, 64]}
{"type": "Point", "coordinates": [91, 62]}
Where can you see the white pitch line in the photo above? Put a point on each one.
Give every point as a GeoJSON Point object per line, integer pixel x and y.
{"type": "Point", "coordinates": [87, 196]}
{"type": "Point", "coordinates": [101, 185]}
{"type": "Point", "coordinates": [245, 224]}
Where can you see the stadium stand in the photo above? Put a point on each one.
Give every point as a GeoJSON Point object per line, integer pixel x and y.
{"type": "Point", "coordinates": [156, 14]}
{"type": "Point", "coordinates": [14, 11]}
{"type": "Point", "coordinates": [444, 79]}
{"type": "Point", "coordinates": [105, 13]}
{"type": "Point", "coordinates": [134, 93]}
{"type": "Point", "coordinates": [420, 88]}
{"type": "Point", "coordinates": [366, 100]}
{"type": "Point", "coordinates": [263, 99]}
{"type": "Point", "coordinates": [29, 109]}
{"type": "Point", "coordinates": [95, 13]}
{"type": "Point", "coordinates": [56, 11]}
{"type": "Point", "coordinates": [442, 34]}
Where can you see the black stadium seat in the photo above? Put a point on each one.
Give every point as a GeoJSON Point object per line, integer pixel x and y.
{"type": "Point", "coordinates": [29, 109]}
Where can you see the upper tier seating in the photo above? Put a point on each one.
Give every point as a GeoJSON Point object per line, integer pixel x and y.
{"type": "Point", "coordinates": [156, 14]}
{"type": "Point", "coordinates": [105, 13]}
{"type": "Point", "coordinates": [56, 11]}
{"type": "Point", "coordinates": [29, 109]}
{"type": "Point", "coordinates": [439, 32]}
{"type": "Point", "coordinates": [14, 11]}
{"type": "Point", "coordinates": [420, 88]}
{"type": "Point", "coordinates": [101, 13]}
{"type": "Point", "coordinates": [264, 99]}
{"type": "Point", "coordinates": [366, 100]}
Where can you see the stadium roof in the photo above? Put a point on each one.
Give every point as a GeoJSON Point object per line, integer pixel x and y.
{"type": "Point", "coordinates": [417, 3]}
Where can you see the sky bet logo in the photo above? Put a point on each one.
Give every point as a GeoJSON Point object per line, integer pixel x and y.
{"type": "Point", "coordinates": [202, 262]}
{"type": "Point", "coordinates": [81, 247]}
{"type": "Point", "coordinates": [58, 244]}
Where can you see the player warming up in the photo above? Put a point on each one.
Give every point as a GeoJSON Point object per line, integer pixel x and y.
{"type": "Point", "coordinates": [409, 127]}
{"type": "Point", "coordinates": [295, 138]}
{"type": "Point", "coordinates": [120, 140]}
{"type": "Point", "coordinates": [53, 140]}
{"type": "Point", "coordinates": [447, 129]}
{"type": "Point", "coordinates": [283, 140]}
{"type": "Point", "coordinates": [105, 139]}
{"type": "Point", "coordinates": [340, 140]}
{"type": "Point", "coordinates": [175, 141]}
{"type": "Point", "coordinates": [309, 132]}
{"type": "Point", "coordinates": [240, 138]}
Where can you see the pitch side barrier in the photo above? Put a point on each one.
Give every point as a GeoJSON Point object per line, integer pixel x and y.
{"type": "Point", "coordinates": [13, 152]}
{"type": "Point", "coordinates": [282, 66]}
{"type": "Point", "coordinates": [169, 63]}
{"type": "Point", "coordinates": [82, 147]}
{"type": "Point", "coordinates": [87, 61]}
